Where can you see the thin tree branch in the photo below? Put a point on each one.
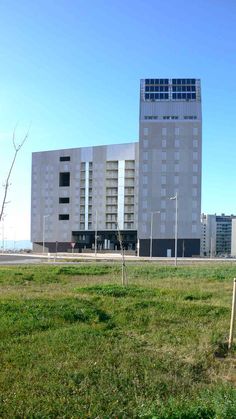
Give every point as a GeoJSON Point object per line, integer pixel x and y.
{"type": "Point", "coordinates": [17, 148]}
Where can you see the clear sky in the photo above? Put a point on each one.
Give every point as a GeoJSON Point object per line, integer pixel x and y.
{"type": "Point", "coordinates": [71, 68]}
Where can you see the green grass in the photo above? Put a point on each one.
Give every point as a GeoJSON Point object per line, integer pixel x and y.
{"type": "Point", "coordinates": [74, 343]}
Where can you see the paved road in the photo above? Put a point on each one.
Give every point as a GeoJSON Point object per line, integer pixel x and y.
{"type": "Point", "coordinates": [16, 259]}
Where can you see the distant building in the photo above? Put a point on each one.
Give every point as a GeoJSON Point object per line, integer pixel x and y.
{"type": "Point", "coordinates": [216, 234]}
{"type": "Point", "coordinates": [233, 238]}
{"type": "Point", "coordinates": [82, 195]}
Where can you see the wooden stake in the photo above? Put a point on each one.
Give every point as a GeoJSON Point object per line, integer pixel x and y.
{"type": "Point", "coordinates": [232, 316]}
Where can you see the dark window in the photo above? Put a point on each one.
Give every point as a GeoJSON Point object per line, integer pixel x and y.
{"type": "Point", "coordinates": [152, 96]}
{"type": "Point", "coordinates": [166, 96]}
{"type": "Point", "coordinates": [157, 89]}
{"type": "Point", "coordinates": [65, 158]}
{"type": "Point", "coordinates": [64, 217]}
{"type": "Point", "coordinates": [193, 95]}
{"type": "Point", "coordinates": [151, 88]}
{"type": "Point", "coordinates": [188, 95]}
{"type": "Point", "coordinates": [147, 81]}
{"type": "Point", "coordinates": [147, 89]}
{"type": "Point", "coordinates": [161, 95]}
{"type": "Point", "coordinates": [193, 88]}
{"type": "Point", "coordinates": [179, 95]}
{"type": "Point", "coordinates": [64, 200]}
{"type": "Point", "coordinates": [152, 81]}
{"type": "Point", "coordinates": [161, 89]}
{"type": "Point", "coordinates": [64, 179]}
{"type": "Point", "coordinates": [147, 96]}
{"type": "Point", "coordinates": [174, 96]}
{"type": "Point", "coordinates": [157, 96]}
{"type": "Point", "coordinates": [193, 81]}
{"type": "Point", "coordinates": [174, 88]}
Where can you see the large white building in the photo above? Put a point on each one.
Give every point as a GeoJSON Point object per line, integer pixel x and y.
{"type": "Point", "coordinates": [81, 193]}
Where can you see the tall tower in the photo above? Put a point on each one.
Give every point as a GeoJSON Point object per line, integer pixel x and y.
{"type": "Point", "coordinates": [170, 155]}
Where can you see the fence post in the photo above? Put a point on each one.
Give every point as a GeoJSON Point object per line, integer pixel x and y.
{"type": "Point", "coordinates": [232, 316]}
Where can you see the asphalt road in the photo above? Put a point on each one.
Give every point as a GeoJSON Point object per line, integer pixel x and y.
{"type": "Point", "coordinates": [19, 259]}
{"type": "Point", "coordinates": [15, 259]}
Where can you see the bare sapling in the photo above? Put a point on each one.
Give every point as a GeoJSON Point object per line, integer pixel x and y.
{"type": "Point", "coordinates": [17, 147]}
{"type": "Point", "coordinates": [124, 276]}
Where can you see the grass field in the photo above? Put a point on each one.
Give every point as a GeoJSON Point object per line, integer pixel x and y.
{"type": "Point", "coordinates": [74, 343]}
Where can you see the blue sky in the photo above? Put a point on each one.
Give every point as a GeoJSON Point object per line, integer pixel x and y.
{"type": "Point", "coordinates": [71, 68]}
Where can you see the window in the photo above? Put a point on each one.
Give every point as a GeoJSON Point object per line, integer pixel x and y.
{"type": "Point", "coordinates": [145, 155]}
{"type": "Point", "coordinates": [64, 217]}
{"type": "Point", "coordinates": [176, 143]}
{"type": "Point", "coordinates": [195, 131]}
{"type": "Point", "coordinates": [163, 228]}
{"type": "Point", "coordinates": [144, 216]}
{"type": "Point", "coordinates": [64, 200]}
{"type": "Point", "coordinates": [195, 143]}
{"type": "Point", "coordinates": [145, 131]}
{"type": "Point", "coordinates": [145, 192]}
{"type": "Point", "coordinates": [176, 155]}
{"type": "Point", "coordinates": [145, 167]}
{"type": "Point", "coordinates": [145, 180]}
{"type": "Point", "coordinates": [164, 131]}
{"type": "Point", "coordinates": [194, 228]}
{"type": "Point", "coordinates": [144, 228]}
{"type": "Point", "coordinates": [163, 155]}
{"type": "Point", "coordinates": [65, 158]}
{"type": "Point", "coordinates": [64, 179]}
{"type": "Point", "coordinates": [163, 180]}
{"type": "Point", "coordinates": [176, 180]}
{"type": "Point", "coordinates": [163, 143]}
{"type": "Point", "coordinates": [163, 192]}
{"type": "Point", "coordinates": [176, 130]}
{"type": "Point", "coordinates": [163, 216]}
{"type": "Point", "coordinates": [163, 204]}
{"type": "Point", "coordinates": [194, 216]}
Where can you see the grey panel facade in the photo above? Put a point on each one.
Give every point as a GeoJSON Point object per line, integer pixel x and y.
{"type": "Point", "coordinates": [102, 181]}
{"type": "Point", "coordinates": [170, 156]}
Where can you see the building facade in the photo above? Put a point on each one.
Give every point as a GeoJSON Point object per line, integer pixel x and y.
{"type": "Point", "coordinates": [233, 238]}
{"type": "Point", "coordinates": [84, 195]}
{"type": "Point", "coordinates": [83, 192]}
{"type": "Point", "coordinates": [217, 237]}
{"type": "Point", "coordinates": [170, 160]}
